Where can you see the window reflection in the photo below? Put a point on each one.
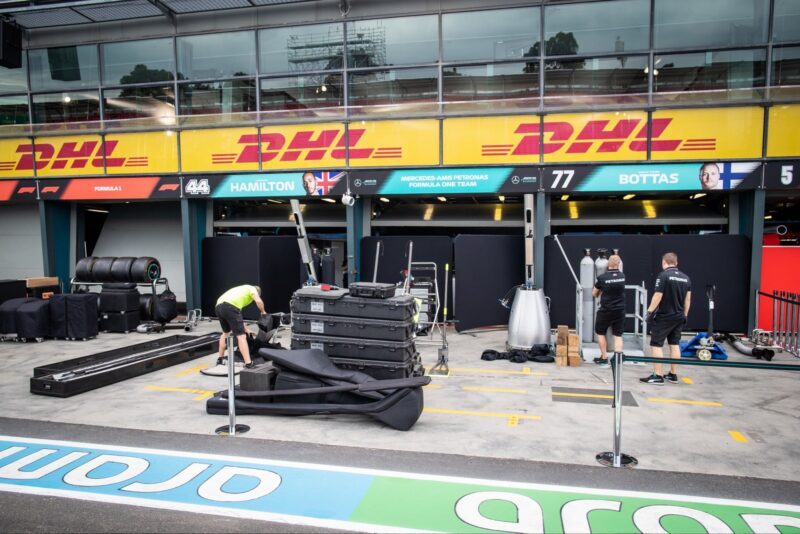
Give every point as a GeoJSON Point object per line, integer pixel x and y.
{"type": "Point", "coordinates": [14, 80]}
{"type": "Point", "coordinates": [504, 85]}
{"type": "Point", "coordinates": [65, 67]}
{"type": "Point", "coordinates": [219, 55]}
{"type": "Point", "coordinates": [786, 72]}
{"type": "Point", "coordinates": [595, 32]}
{"type": "Point", "coordinates": [709, 76]}
{"type": "Point", "coordinates": [236, 96]}
{"type": "Point", "coordinates": [710, 23]}
{"type": "Point", "coordinates": [14, 110]}
{"type": "Point", "coordinates": [138, 62]}
{"type": "Point", "coordinates": [489, 35]}
{"type": "Point", "coordinates": [302, 95]}
{"type": "Point", "coordinates": [786, 21]}
{"type": "Point", "coordinates": [413, 90]}
{"type": "Point", "coordinates": [396, 41]}
{"type": "Point", "coordinates": [595, 81]}
{"type": "Point", "coordinates": [301, 48]}
{"type": "Point", "coordinates": [156, 102]}
{"type": "Point", "coordinates": [66, 107]}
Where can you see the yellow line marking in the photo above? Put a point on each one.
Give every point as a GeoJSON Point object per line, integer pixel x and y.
{"type": "Point", "coordinates": [585, 395]}
{"type": "Point", "coordinates": [525, 371]}
{"type": "Point", "coordinates": [202, 394]}
{"type": "Point", "coordinates": [498, 390]}
{"type": "Point", "coordinates": [195, 369]}
{"type": "Point", "coordinates": [433, 386]}
{"type": "Point", "coordinates": [687, 380]}
{"type": "Point", "coordinates": [679, 401]}
{"type": "Point", "coordinates": [513, 420]}
{"type": "Point", "coordinates": [738, 436]}
{"type": "Point", "coordinates": [482, 414]}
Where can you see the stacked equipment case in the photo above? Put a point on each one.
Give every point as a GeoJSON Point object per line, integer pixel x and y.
{"type": "Point", "coordinates": [374, 335]}
{"type": "Point", "coordinates": [119, 307]}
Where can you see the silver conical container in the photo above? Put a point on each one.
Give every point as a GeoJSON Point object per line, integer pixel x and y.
{"type": "Point", "coordinates": [529, 323]}
{"type": "Point", "coordinates": [587, 281]}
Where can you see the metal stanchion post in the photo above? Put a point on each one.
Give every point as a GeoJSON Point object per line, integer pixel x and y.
{"type": "Point", "coordinates": [616, 458]}
{"type": "Point", "coordinates": [231, 429]}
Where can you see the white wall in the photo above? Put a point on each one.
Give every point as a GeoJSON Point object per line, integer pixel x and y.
{"type": "Point", "coordinates": [147, 229]}
{"type": "Point", "coordinates": [20, 242]}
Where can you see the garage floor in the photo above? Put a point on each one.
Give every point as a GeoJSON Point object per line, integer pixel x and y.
{"type": "Point", "coordinates": [714, 421]}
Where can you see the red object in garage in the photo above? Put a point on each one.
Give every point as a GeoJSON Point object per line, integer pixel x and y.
{"type": "Point", "coordinates": [778, 272]}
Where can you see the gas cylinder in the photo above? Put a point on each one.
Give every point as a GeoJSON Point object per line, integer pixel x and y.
{"type": "Point", "coordinates": [587, 282]}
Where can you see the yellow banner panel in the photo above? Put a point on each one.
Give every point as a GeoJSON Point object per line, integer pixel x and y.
{"type": "Point", "coordinates": [605, 136]}
{"type": "Point", "coordinates": [720, 133]}
{"type": "Point", "coordinates": [491, 140]}
{"type": "Point", "coordinates": [223, 149]}
{"type": "Point", "coordinates": [73, 155]}
{"type": "Point", "coordinates": [16, 158]}
{"type": "Point", "coordinates": [142, 153]}
{"type": "Point", "coordinates": [783, 139]}
{"type": "Point", "coordinates": [303, 146]}
{"type": "Point", "coordinates": [394, 143]}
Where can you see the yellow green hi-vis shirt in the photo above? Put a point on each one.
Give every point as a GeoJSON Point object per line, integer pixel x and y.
{"type": "Point", "coordinates": [239, 296]}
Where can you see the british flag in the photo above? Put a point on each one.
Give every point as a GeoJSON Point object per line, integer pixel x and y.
{"type": "Point", "coordinates": [326, 180]}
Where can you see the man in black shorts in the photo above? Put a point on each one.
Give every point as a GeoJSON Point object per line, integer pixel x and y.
{"type": "Point", "coordinates": [666, 316]}
{"type": "Point", "coordinates": [610, 286]}
{"type": "Point", "coordinates": [229, 312]}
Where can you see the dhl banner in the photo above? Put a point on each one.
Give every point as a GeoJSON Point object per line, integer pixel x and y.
{"type": "Point", "coordinates": [706, 134]}
{"type": "Point", "coordinates": [678, 134]}
{"type": "Point", "coordinates": [226, 149]}
{"type": "Point", "coordinates": [83, 155]}
{"type": "Point", "coordinates": [16, 158]}
{"type": "Point", "coordinates": [491, 140]}
{"type": "Point", "coordinates": [607, 136]}
{"type": "Point", "coordinates": [117, 188]}
{"type": "Point", "coordinates": [67, 156]}
{"type": "Point", "coordinates": [394, 143]}
{"type": "Point", "coordinates": [783, 140]}
{"type": "Point", "coordinates": [151, 152]}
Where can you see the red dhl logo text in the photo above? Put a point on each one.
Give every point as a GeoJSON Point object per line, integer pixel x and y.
{"type": "Point", "coordinates": [308, 145]}
{"type": "Point", "coordinates": [596, 136]}
{"type": "Point", "coordinates": [70, 155]}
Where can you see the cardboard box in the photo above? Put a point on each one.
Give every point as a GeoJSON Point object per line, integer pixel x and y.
{"type": "Point", "coordinates": [575, 360]}
{"type": "Point", "coordinates": [574, 341]}
{"type": "Point", "coordinates": [562, 335]}
{"type": "Point", "coordinates": [562, 350]}
{"type": "Point", "coordinates": [561, 361]}
{"type": "Point", "coordinates": [42, 281]}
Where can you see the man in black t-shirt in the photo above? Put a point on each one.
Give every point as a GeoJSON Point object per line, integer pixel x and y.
{"type": "Point", "coordinates": [666, 315]}
{"type": "Point", "coordinates": [610, 286]}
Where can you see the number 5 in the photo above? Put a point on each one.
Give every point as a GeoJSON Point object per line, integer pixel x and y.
{"type": "Point", "coordinates": [786, 174]}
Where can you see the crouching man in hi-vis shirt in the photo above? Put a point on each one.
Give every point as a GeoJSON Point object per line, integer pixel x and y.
{"type": "Point", "coordinates": [229, 312]}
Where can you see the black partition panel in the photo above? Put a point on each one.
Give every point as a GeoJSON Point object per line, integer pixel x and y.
{"type": "Point", "coordinates": [268, 262]}
{"type": "Point", "coordinates": [487, 267]}
{"type": "Point", "coordinates": [719, 260]}
{"type": "Point", "coordinates": [723, 260]}
{"type": "Point", "coordinates": [280, 275]}
{"type": "Point", "coordinates": [559, 284]}
{"type": "Point", "coordinates": [393, 258]}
